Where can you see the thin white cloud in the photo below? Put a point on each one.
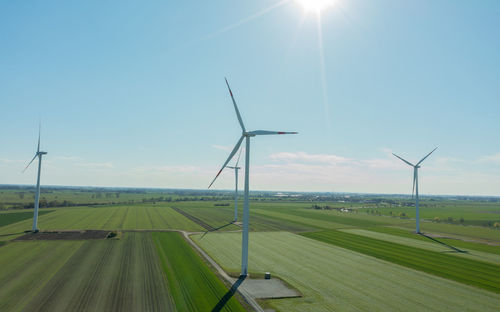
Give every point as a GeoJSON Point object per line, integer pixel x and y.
{"type": "Point", "coordinates": [495, 158]}
{"type": "Point", "coordinates": [9, 161]}
{"type": "Point", "coordinates": [97, 165]}
{"type": "Point", "coordinates": [71, 158]}
{"type": "Point", "coordinates": [303, 157]}
{"type": "Point", "coordinates": [222, 147]}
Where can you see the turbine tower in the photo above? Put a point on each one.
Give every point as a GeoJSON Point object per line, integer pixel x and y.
{"type": "Point", "coordinates": [236, 168]}
{"type": "Point", "coordinates": [245, 135]}
{"type": "Point", "coordinates": [38, 154]}
{"type": "Point", "coordinates": [415, 185]}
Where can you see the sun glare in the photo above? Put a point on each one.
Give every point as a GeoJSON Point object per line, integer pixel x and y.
{"type": "Point", "coordinates": [315, 5]}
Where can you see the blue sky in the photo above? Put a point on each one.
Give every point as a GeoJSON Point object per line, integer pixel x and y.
{"type": "Point", "coordinates": [132, 93]}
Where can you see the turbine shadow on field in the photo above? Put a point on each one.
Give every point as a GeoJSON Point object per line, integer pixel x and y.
{"type": "Point", "coordinates": [223, 301]}
{"type": "Point", "coordinates": [444, 244]}
{"type": "Point", "coordinates": [216, 229]}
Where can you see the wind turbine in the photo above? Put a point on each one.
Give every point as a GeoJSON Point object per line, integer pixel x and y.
{"type": "Point", "coordinates": [38, 154]}
{"type": "Point", "coordinates": [415, 184]}
{"type": "Point", "coordinates": [236, 168]}
{"type": "Point", "coordinates": [245, 135]}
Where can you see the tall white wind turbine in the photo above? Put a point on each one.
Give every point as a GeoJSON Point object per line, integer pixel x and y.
{"type": "Point", "coordinates": [245, 135]}
{"type": "Point", "coordinates": [415, 185]}
{"type": "Point", "coordinates": [38, 154]}
{"type": "Point", "coordinates": [236, 168]}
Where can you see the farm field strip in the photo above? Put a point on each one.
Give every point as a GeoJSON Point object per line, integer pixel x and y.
{"type": "Point", "coordinates": [107, 275]}
{"type": "Point", "coordinates": [334, 278]}
{"type": "Point", "coordinates": [174, 220]}
{"type": "Point", "coordinates": [213, 216]}
{"type": "Point", "coordinates": [428, 245]}
{"type": "Point", "coordinates": [318, 224]}
{"type": "Point", "coordinates": [107, 218]}
{"type": "Point", "coordinates": [194, 287]}
{"type": "Point", "coordinates": [461, 232]}
{"type": "Point", "coordinates": [41, 260]}
{"type": "Point", "coordinates": [476, 273]}
{"type": "Point", "coordinates": [468, 244]}
{"type": "Point", "coordinates": [13, 217]}
{"type": "Point", "coordinates": [265, 222]}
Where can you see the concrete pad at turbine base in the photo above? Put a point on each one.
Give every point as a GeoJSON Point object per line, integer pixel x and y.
{"type": "Point", "coordinates": [268, 289]}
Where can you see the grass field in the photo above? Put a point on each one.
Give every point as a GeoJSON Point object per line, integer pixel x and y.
{"type": "Point", "coordinates": [356, 261]}
{"type": "Point", "coordinates": [220, 216]}
{"type": "Point", "coordinates": [436, 244]}
{"type": "Point", "coordinates": [334, 278]}
{"type": "Point", "coordinates": [193, 286]}
{"type": "Point", "coordinates": [13, 217]}
{"type": "Point", "coordinates": [120, 217]}
{"type": "Point", "coordinates": [467, 271]}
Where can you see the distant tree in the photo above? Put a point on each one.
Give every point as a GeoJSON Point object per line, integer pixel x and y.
{"type": "Point", "coordinates": [496, 225]}
{"type": "Point", "coordinates": [437, 219]}
{"type": "Point", "coordinates": [462, 220]}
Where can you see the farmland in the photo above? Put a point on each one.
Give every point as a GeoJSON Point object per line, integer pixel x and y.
{"type": "Point", "coordinates": [341, 255]}
{"type": "Point", "coordinates": [117, 217]}
{"type": "Point", "coordinates": [467, 271]}
{"type": "Point", "coordinates": [109, 275]}
{"type": "Point", "coordinates": [13, 217]}
{"type": "Point", "coordinates": [192, 285]}
{"type": "Point", "coordinates": [334, 278]}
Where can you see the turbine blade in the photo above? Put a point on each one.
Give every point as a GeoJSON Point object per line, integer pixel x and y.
{"type": "Point", "coordinates": [39, 131]}
{"type": "Point", "coordinates": [409, 163]}
{"type": "Point", "coordinates": [238, 160]}
{"type": "Point", "coordinates": [30, 162]}
{"type": "Point", "coordinates": [236, 107]}
{"type": "Point", "coordinates": [235, 149]}
{"type": "Point", "coordinates": [265, 132]}
{"type": "Point", "coordinates": [426, 157]}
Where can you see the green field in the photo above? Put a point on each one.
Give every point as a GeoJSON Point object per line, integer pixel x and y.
{"type": "Point", "coordinates": [103, 275]}
{"type": "Point", "coordinates": [193, 286]}
{"type": "Point", "coordinates": [119, 217]}
{"type": "Point", "coordinates": [334, 278]}
{"type": "Point", "coordinates": [138, 272]}
{"type": "Point", "coordinates": [361, 259]}
{"type": "Point", "coordinates": [450, 247]}
{"type": "Point", "coordinates": [467, 271]}
{"type": "Point", "coordinates": [13, 217]}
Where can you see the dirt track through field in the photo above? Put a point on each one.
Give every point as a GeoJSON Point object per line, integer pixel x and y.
{"type": "Point", "coordinates": [203, 224]}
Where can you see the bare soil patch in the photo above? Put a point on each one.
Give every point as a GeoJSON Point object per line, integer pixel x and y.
{"type": "Point", "coordinates": [64, 235]}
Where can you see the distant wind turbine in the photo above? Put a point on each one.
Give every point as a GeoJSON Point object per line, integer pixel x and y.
{"type": "Point", "coordinates": [38, 154]}
{"type": "Point", "coordinates": [236, 168]}
{"type": "Point", "coordinates": [245, 135]}
{"type": "Point", "coordinates": [415, 185]}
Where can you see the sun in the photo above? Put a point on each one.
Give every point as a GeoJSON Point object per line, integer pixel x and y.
{"type": "Point", "coordinates": [315, 5]}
